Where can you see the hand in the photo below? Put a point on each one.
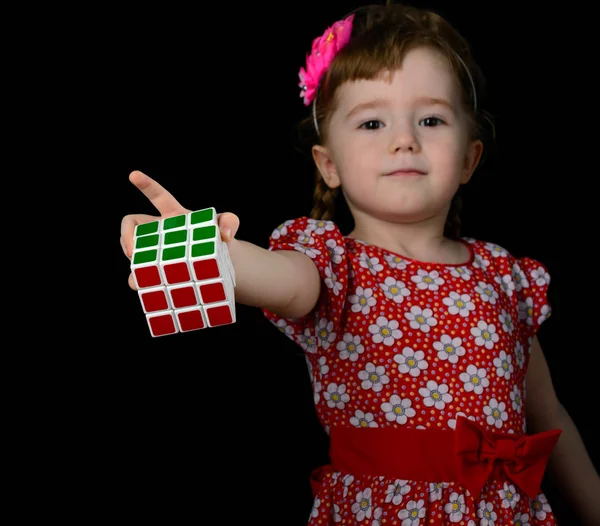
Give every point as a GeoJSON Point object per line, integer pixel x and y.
{"type": "Point", "coordinates": [167, 206]}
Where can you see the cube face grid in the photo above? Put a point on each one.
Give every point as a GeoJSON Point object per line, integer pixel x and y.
{"type": "Point", "coordinates": [183, 272]}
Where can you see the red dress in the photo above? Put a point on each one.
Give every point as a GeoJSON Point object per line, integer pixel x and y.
{"type": "Point", "coordinates": [402, 356]}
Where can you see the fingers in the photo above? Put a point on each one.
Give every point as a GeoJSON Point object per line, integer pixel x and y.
{"type": "Point", "coordinates": [128, 224]}
{"type": "Point", "coordinates": [228, 225]}
{"type": "Point", "coordinates": [131, 282]}
{"type": "Point", "coordinates": [162, 200]}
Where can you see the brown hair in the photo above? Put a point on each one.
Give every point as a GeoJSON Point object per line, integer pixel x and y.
{"type": "Point", "coordinates": [381, 37]}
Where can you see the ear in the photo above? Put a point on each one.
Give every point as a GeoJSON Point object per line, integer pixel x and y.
{"type": "Point", "coordinates": [472, 158]}
{"type": "Point", "coordinates": [326, 166]}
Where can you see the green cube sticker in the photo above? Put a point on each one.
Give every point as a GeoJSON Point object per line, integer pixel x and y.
{"type": "Point", "coordinates": [145, 256]}
{"type": "Point", "coordinates": [203, 249]}
{"type": "Point", "coordinates": [201, 216]}
{"type": "Point", "coordinates": [146, 241]}
{"type": "Point", "coordinates": [147, 228]}
{"type": "Point", "coordinates": [178, 236]}
{"type": "Point", "coordinates": [175, 222]}
{"type": "Point", "coordinates": [204, 232]}
{"type": "Point", "coordinates": [172, 253]}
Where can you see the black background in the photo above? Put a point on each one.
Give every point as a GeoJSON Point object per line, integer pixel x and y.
{"type": "Point", "coordinates": [218, 425]}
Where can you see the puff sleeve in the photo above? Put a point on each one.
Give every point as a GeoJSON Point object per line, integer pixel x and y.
{"type": "Point", "coordinates": [323, 242]}
{"type": "Point", "coordinates": [532, 280]}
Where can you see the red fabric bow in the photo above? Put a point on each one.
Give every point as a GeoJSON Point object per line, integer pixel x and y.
{"type": "Point", "coordinates": [523, 460]}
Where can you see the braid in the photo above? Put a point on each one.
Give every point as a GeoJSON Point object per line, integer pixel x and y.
{"type": "Point", "coordinates": [324, 200]}
{"type": "Point", "coordinates": [452, 229]}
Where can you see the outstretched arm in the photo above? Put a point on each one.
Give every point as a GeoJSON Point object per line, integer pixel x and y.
{"type": "Point", "coordinates": [284, 282]}
{"type": "Point", "coordinates": [570, 466]}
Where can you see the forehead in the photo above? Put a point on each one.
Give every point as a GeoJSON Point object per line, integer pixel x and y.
{"type": "Point", "coordinates": [425, 72]}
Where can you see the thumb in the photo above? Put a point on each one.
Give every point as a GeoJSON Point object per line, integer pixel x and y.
{"type": "Point", "coordinates": [228, 225]}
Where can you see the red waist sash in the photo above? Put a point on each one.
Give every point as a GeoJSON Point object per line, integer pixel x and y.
{"type": "Point", "coordinates": [470, 455]}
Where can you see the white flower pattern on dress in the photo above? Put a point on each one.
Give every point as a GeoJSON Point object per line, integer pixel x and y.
{"type": "Point", "coordinates": [435, 395]}
{"type": "Point", "coordinates": [517, 399]}
{"type": "Point", "coordinates": [521, 519]}
{"type": "Point", "coordinates": [373, 377]}
{"type": "Point", "coordinates": [336, 395]}
{"type": "Point", "coordinates": [385, 331]}
{"type": "Point", "coordinates": [335, 513]}
{"type": "Point", "coordinates": [461, 272]}
{"type": "Point", "coordinates": [481, 262]}
{"type": "Point", "coordinates": [449, 348]}
{"type": "Point", "coordinates": [506, 283]}
{"type": "Point", "coordinates": [456, 507]}
{"type": "Point", "coordinates": [335, 251]}
{"type": "Point", "coordinates": [395, 491]}
{"type": "Point", "coordinates": [398, 410]}
{"type": "Point", "coordinates": [427, 280]}
{"type": "Point", "coordinates": [421, 319]}
{"type": "Point", "coordinates": [362, 301]}
{"type": "Point", "coordinates": [526, 310]}
{"type": "Point", "coordinates": [315, 507]}
{"type": "Point", "coordinates": [509, 495]}
{"type": "Point", "coordinates": [413, 513]}
{"type": "Point", "coordinates": [487, 515]}
{"type": "Point", "coordinates": [544, 314]}
{"type": "Point", "coordinates": [496, 413]}
{"type": "Point", "coordinates": [319, 226]}
{"type": "Point", "coordinates": [540, 277]}
{"type": "Point", "coordinates": [362, 419]}
{"type": "Point", "coordinates": [487, 292]}
{"type": "Point", "coordinates": [411, 362]}
{"type": "Point", "coordinates": [520, 278]}
{"type": "Point", "coordinates": [372, 264]}
{"type": "Point", "coordinates": [475, 379]}
{"type": "Point", "coordinates": [306, 341]}
{"type": "Point", "coordinates": [504, 366]}
{"type": "Point", "coordinates": [506, 322]}
{"type": "Point", "coordinates": [362, 507]}
{"type": "Point", "coordinates": [436, 490]}
{"type": "Point", "coordinates": [427, 344]}
{"type": "Point", "coordinates": [540, 507]}
{"type": "Point", "coordinates": [396, 262]}
{"type": "Point", "coordinates": [485, 334]}
{"type": "Point", "coordinates": [282, 229]}
{"type": "Point", "coordinates": [496, 250]}
{"type": "Point", "coordinates": [394, 289]}
{"type": "Point", "coordinates": [460, 304]}
{"type": "Point", "coordinates": [325, 333]}
{"type": "Point", "coordinates": [350, 347]}
{"type": "Point", "coordinates": [332, 282]}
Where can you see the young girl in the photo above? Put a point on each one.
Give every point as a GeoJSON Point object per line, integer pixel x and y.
{"type": "Point", "coordinates": [425, 365]}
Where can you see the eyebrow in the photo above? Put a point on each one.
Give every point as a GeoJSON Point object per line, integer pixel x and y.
{"type": "Point", "coordinates": [370, 105]}
{"type": "Point", "coordinates": [433, 101]}
{"type": "Point", "coordinates": [378, 103]}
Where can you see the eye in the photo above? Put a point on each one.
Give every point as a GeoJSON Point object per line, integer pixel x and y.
{"type": "Point", "coordinates": [431, 121]}
{"type": "Point", "coordinates": [372, 124]}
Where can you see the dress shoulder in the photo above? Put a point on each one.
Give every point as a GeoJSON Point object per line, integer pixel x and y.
{"type": "Point", "coordinates": [526, 277]}
{"type": "Point", "coordinates": [323, 242]}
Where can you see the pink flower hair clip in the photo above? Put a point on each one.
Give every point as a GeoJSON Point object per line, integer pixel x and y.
{"type": "Point", "coordinates": [324, 49]}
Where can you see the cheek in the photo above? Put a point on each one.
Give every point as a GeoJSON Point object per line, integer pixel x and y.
{"type": "Point", "coordinates": [449, 151]}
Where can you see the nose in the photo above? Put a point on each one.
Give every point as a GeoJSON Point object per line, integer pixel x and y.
{"type": "Point", "coordinates": [404, 139]}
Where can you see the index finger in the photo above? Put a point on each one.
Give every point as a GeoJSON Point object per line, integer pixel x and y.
{"type": "Point", "coordinates": [162, 199]}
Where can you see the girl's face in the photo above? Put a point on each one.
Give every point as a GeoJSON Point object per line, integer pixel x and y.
{"type": "Point", "coordinates": [399, 145]}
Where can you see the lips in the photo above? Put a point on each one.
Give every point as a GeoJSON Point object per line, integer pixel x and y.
{"type": "Point", "coordinates": [405, 172]}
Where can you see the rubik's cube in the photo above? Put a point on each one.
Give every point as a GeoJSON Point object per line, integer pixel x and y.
{"type": "Point", "coordinates": [183, 273]}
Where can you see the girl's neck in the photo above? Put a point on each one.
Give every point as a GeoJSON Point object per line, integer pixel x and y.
{"type": "Point", "coordinates": [418, 241]}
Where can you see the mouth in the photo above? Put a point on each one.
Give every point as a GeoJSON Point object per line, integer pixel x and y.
{"type": "Point", "coordinates": [405, 172]}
